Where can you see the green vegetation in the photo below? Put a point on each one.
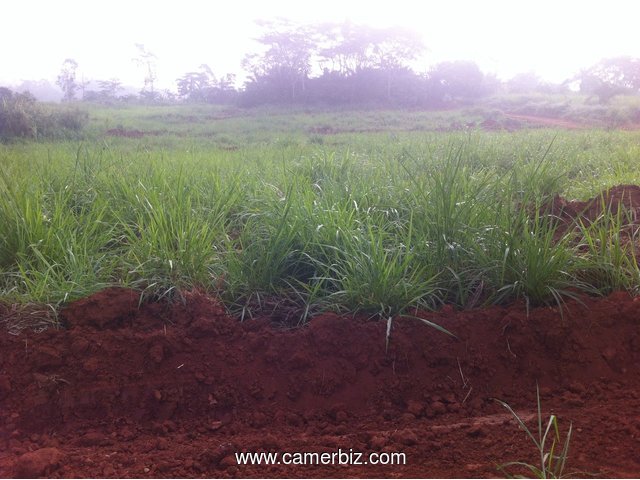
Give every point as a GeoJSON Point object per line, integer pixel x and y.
{"type": "Point", "coordinates": [22, 117]}
{"type": "Point", "coordinates": [551, 451]}
{"type": "Point", "coordinates": [370, 211]}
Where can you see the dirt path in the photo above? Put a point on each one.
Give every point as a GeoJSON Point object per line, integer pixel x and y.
{"type": "Point", "coordinates": [546, 121]}
{"type": "Point", "coordinates": [177, 391]}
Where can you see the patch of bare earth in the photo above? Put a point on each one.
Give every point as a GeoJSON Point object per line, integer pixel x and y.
{"type": "Point", "coordinates": [133, 133]}
{"type": "Point", "coordinates": [621, 201]}
{"type": "Point", "coordinates": [176, 390]}
{"type": "Point", "coordinates": [545, 121]}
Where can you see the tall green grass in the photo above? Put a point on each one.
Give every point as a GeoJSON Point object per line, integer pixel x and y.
{"type": "Point", "coordinates": [373, 223]}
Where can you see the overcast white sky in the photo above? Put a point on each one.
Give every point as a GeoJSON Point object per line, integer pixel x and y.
{"type": "Point", "coordinates": [555, 38]}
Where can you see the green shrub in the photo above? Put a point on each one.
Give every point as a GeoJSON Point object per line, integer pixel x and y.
{"type": "Point", "coordinates": [23, 117]}
{"type": "Point", "coordinates": [16, 116]}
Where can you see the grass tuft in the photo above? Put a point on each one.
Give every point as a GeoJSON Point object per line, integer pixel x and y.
{"type": "Point", "coordinates": [551, 450]}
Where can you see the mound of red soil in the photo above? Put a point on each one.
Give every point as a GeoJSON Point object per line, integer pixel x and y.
{"type": "Point", "coordinates": [614, 199]}
{"type": "Point", "coordinates": [622, 201]}
{"type": "Point", "coordinates": [177, 390]}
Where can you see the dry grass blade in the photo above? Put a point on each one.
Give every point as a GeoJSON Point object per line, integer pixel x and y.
{"type": "Point", "coordinates": [17, 317]}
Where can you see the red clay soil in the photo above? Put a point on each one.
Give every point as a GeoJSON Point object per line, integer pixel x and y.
{"type": "Point", "coordinates": [176, 390]}
{"type": "Point", "coordinates": [625, 197]}
{"type": "Point", "coordinates": [622, 201]}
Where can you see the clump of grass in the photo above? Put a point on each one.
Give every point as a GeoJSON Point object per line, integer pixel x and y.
{"type": "Point", "coordinates": [551, 450]}
{"type": "Point", "coordinates": [171, 240]}
{"type": "Point", "coordinates": [267, 257]}
{"type": "Point", "coordinates": [379, 278]}
{"type": "Point", "coordinates": [51, 250]}
{"type": "Point", "coordinates": [608, 248]}
{"type": "Point", "coordinates": [373, 275]}
{"type": "Point", "coordinates": [537, 266]}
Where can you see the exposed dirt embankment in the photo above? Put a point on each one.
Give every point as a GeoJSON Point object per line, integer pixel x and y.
{"type": "Point", "coordinates": [613, 217]}
{"type": "Point", "coordinates": [621, 198]}
{"type": "Point", "coordinates": [175, 390]}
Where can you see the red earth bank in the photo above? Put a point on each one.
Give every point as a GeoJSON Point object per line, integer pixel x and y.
{"type": "Point", "coordinates": [176, 390]}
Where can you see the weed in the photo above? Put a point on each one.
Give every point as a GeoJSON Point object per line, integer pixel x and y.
{"type": "Point", "coordinates": [551, 451]}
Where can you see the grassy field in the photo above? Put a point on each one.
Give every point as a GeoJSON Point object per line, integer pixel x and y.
{"type": "Point", "coordinates": [371, 211]}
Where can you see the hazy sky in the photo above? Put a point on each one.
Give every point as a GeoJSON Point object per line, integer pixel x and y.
{"type": "Point", "coordinates": [554, 38]}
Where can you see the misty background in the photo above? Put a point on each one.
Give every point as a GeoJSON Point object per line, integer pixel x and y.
{"type": "Point", "coordinates": [191, 45]}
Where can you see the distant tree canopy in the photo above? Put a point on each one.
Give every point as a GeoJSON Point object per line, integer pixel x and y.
{"type": "Point", "coordinates": [108, 92]}
{"type": "Point", "coordinates": [525, 82]}
{"type": "Point", "coordinates": [611, 77]}
{"type": "Point", "coordinates": [346, 63]}
{"type": "Point", "coordinates": [456, 80]}
{"type": "Point", "coordinates": [203, 86]}
{"type": "Point", "coordinates": [280, 73]}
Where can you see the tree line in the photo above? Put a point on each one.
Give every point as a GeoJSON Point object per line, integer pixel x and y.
{"type": "Point", "coordinates": [347, 63]}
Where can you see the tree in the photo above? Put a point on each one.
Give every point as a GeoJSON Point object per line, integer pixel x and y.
{"type": "Point", "coordinates": [193, 85]}
{"type": "Point", "coordinates": [358, 63]}
{"type": "Point", "coordinates": [610, 77]}
{"type": "Point", "coordinates": [148, 62]}
{"type": "Point", "coordinates": [285, 65]}
{"type": "Point", "coordinates": [456, 80]}
{"type": "Point", "coordinates": [350, 48]}
{"type": "Point", "coordinates": [526, 82]}
{"type": "Point", "coordinates": [203, 86]}
{"type": "Point", "coordinates": [622, 72]}
{"type": "Point", "coordinates": [43, 90]}
{"type": "Point", "coordinates": [347, 47]}
{"type": "Point", "coordinates": [109, 89]}
{"type": "Point", "coordinates": [67, 79]}
{"type": "Point", "coordinates": [380, 54]}
{"type": "Point", "coordinates": [222, 90]}
{"type": "Point", "coordinates": [394, 48]}
{"type": "Point", "coordinates": [82, 85]}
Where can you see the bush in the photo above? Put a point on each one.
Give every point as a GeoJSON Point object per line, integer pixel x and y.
{"type": "Point", "coordinates": [22, 116]}
{"type": "Point", "coordinates": [15, 116]}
